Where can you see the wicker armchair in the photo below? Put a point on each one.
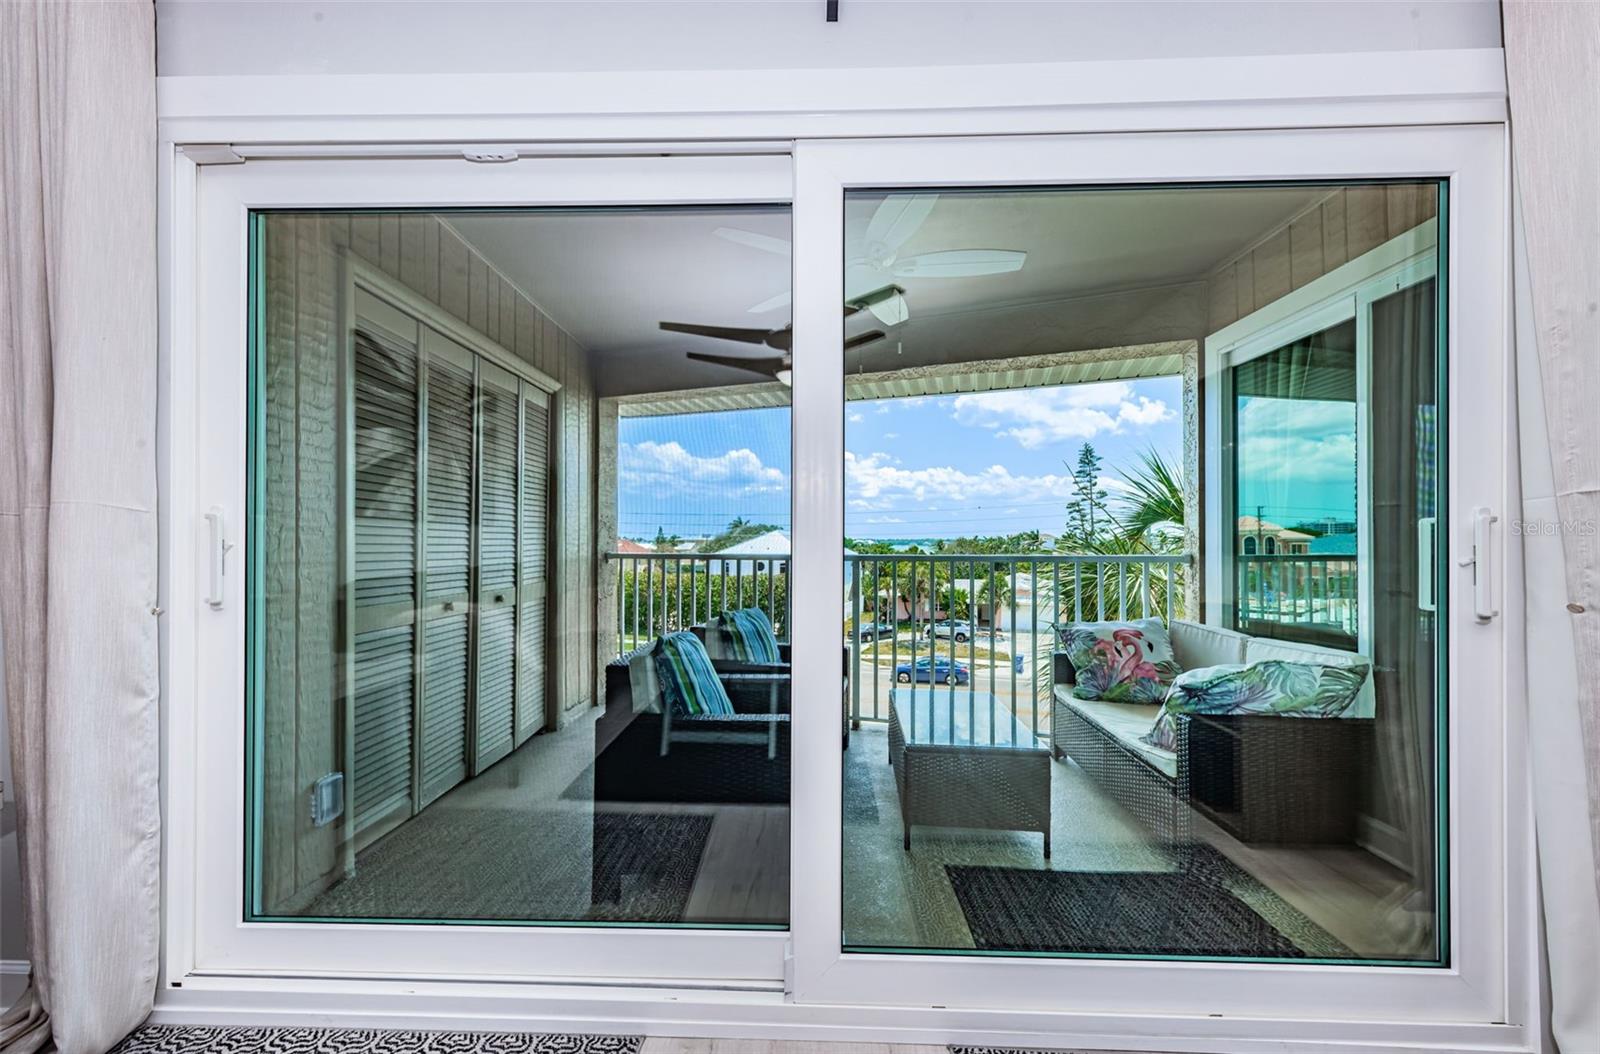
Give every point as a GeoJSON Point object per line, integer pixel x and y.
{"type": "Point", "coordinates": [654, 755]}
{"type": "Point", "coordinates": [726, 666]}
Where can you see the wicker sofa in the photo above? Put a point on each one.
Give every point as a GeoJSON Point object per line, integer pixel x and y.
{"type": "Point", "coordinates": [1262, 778]}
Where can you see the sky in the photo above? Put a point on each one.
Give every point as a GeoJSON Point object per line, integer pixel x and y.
{"type": "Point", "coordinates": [1297, 459]}
{"type": "Point", "coordinates": [935, 466]}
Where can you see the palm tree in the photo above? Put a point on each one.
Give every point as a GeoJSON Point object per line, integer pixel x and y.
{"type": "Point", "coordinates": [1154, 500]}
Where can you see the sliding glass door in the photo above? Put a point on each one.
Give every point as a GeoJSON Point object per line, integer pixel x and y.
{"type": "Point", "coordinates": [1140, 490]}
{"type": "Point", "coordinates": [1138, 495]}
{"type": "Point", "coordinates": [446, 756]}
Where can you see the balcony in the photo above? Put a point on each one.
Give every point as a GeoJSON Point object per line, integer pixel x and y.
{"type": "Point", "coordinates": [974, 623]}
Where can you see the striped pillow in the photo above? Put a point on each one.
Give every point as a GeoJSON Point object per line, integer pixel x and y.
{"type": "Point", "coordinates": [747, 636]}
{"type": "Point", "coordinates": [689, 683]}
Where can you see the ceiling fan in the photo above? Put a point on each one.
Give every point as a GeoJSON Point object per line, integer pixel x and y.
{"type": "Point", "coordinates": [893, 223]}
{"type": "Point", "coordinates": [779, 366]}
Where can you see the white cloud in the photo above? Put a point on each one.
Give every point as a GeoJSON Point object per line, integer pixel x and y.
{"type": "Point", "coordinates": [856, 418]}
{"type": "Point", "coordinates": [1040, 416]}
{"type": "Point", "coordinates": [1298, 442]}
{"type": "Point", "coordinates": [669, 465]}
{"type": "Point", "coordinates": [878, 481]}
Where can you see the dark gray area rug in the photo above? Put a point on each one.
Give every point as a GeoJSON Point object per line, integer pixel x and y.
{"type": "Point", "coordinates": [645, 865]}
{"type": "Point", "coordinates": [1192, 910]}
{"type": "Point", "coordinates": [164, 1039]}
{"type": "Point", "coordinates": [516, 865]}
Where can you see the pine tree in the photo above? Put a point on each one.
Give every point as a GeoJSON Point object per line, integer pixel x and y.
{"type": "Point", "coordinates": [1085, 509]}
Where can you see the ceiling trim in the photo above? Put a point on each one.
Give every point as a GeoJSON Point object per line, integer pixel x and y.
{"type": "Point", "coordinates": [1127, 362]}
{"type": "Point", "coordinates": [330, 115]}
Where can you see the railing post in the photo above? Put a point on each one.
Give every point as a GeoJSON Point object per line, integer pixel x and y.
{"type": "Point", "coordinates": [855, 638]}
{"type": "Point", "coordinates": [1169, 594]}
{"type": "Point", "coordinates": [1077, 590]}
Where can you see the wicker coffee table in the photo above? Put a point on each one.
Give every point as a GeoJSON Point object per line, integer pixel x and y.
{"type": "Point", "coordinates": [963, 759]}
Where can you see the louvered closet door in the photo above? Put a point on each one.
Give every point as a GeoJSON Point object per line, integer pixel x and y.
{"type": "Point", "coordinates": [447, 566]}
{"type": "Point", "coordinates": [383, 552]}
{"type": "Point", "coordinates": [497, 565]}
{"type": "Point", "coordinates": [533, 598]}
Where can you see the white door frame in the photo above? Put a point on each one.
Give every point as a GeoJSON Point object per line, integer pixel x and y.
{"type": "Point", "coordinates": [205, 712]}
{"type": "Point", "coordinates": [739, 112]}
{"type": "Point", "coordinates": [1488, 908]}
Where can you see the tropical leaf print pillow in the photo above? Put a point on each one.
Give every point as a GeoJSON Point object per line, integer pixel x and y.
{"type": "Point", "coordinates": [1122, 662]}
{"type": "Point", "coordinates": [1293, 689]}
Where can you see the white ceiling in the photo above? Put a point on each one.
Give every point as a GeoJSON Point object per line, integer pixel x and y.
{"type": "Point", "coordinates": [1103, 268]}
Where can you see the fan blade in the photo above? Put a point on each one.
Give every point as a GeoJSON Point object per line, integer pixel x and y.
{"type": "Point", "coordinates": [765, 367]}
{"type": "Point", "coordinates": [744, 336]}
{"type": "Point", "coordinates": [898, 218]}
{"type": "Point", "coordinates": [960, 263]}
{"type": "Point", "coordinates": [770, 303]}
{"type": "Point", "coordinates": [765, 242]}
{"type": "Point", "coordinates": [863, 338]}
{"type": "Point", "coordinates": [887, 304]}
{"type": "Point", "coordinates": [891, 312]}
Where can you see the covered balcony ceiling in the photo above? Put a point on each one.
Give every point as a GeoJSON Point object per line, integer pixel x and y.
{"type": "Point", "coordinates": [1105, 271]}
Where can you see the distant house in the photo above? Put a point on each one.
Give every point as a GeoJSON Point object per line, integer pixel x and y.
{"type": "Point", "coordinates": [628, 545]}
{"type": "Point", "coordinates": [750, 551]}
{"type": "Point", "coordinates": [1258, 537]}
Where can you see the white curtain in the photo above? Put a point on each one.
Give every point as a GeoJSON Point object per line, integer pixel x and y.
{"type": "Point", "coordinates": [77, 510]}
{"type": "Point", "coordinates": [1553, 73]}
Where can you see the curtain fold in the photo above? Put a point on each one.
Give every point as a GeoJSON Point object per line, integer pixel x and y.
{"type": "Point", "coordinates": [1553, 76]}
{"type": "Point", "coordinates": [78, 543]}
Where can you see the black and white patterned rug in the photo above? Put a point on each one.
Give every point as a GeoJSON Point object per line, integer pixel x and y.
{"type": "Point", "coordinates": [1020, 1050]}
{"type": "Point", "coordinates": [168, 1039]}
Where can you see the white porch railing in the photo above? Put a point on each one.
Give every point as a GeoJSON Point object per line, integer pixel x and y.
{"type": "Point", "coordinates": [1299, 589]}
{"type": "Point", "coordinates": [986, 623]}
{"type": "Point", "coordinates": [660, 593]}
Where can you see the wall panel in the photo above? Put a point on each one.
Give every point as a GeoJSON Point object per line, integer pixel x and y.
{"type": "Point", "coordinates": [1348, 222]}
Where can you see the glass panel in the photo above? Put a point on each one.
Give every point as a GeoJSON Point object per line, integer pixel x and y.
{"type": "Point", "coordinates": [461, 707]}
{"type": "Point", "coordinates": [1064, 739]}
{"type": "Point", "coordinates": [1295, 467]}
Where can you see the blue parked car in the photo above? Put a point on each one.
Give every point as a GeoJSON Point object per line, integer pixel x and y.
{"type": "Point", "coordinates": [930, 670]}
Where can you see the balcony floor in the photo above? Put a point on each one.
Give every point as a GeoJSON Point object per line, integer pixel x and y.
{"type": "Point", "coordinates": [897, 899]}
{"type": "Point", "coordinates": [1323, 899]}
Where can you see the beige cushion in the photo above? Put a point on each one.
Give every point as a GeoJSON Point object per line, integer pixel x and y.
{"type": "Point", "coordinates": [642, 679]}
{"type": "Point", "coordinates": [1260, 649]}
{"type": "Point", "coordinates": [1125, 722]}
{"type": "Point", "coordinates": [1195, 645]}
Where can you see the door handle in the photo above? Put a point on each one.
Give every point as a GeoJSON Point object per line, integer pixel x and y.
{"type": "Point", "coordinates": [1427, 594]}
{"type": "Point", "coordinates": [1482, 592]}
{"type": "Point", "coordinates": [217, 552]}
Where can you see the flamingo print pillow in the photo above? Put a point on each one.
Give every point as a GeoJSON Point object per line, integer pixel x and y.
{"type": "Point", "coordinates": [1121, 662]}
